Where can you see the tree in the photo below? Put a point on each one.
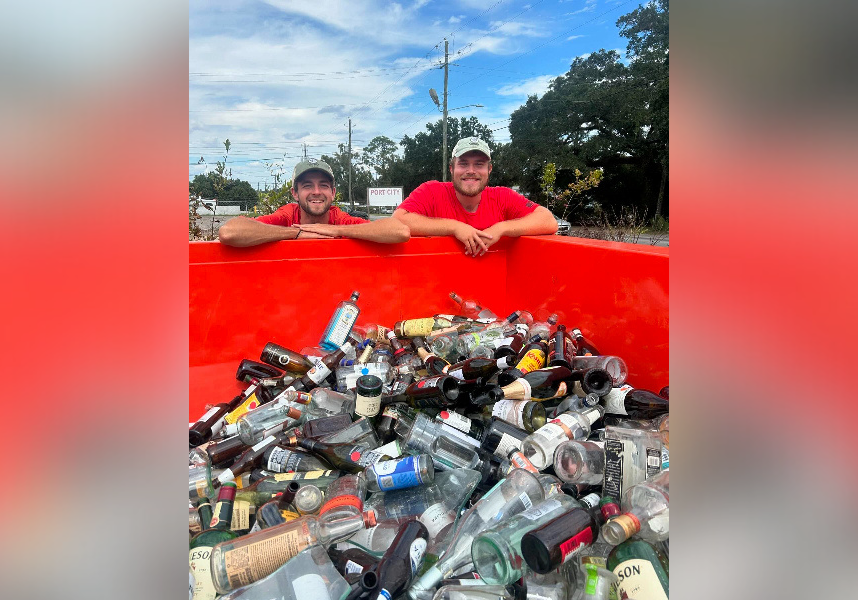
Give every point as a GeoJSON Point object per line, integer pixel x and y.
{"type": "Point", "coordinates": [379, 157]}
{"type": "Point", "coordinates": [239, 193]}
{"type": "Point", "coordinates": [202, 186]}
{"type": "Point", "coordinates": [361, 177]}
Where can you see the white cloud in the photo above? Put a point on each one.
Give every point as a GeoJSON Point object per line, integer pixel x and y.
{"type": "Point", "coordinates": [574, 37]}
{"type": "Point", "coordinates": [589, 6]}
{"type": "Point", "coordinates": [454, 20]}
{"type": "Point", "coordinates": [529, 87]}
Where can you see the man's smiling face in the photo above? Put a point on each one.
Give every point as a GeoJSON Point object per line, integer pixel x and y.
{"type": "Point", "coordinates": [314, 193]}
{"type": "Point", "coordinates": [470, 173]}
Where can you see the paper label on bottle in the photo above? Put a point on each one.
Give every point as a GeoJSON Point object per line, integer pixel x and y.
{"type": "Point", "coordinates": [576, 543]}
{"type": "Point", "coordinates": [341, 325]}
{"type": "Point", "coordinates": [367, 406]}
{"type": "Point", "coordinates": [364, 457]}
{"type": "Point", "coordinates": [392, 449]}
{"type": "Point", "coordinates": [249, 404]}
{"type": "Point", "coordinates": [459, 435]}
{"type": "Point", "coordinates": [454, 419]}
{"type": "Point", "coordinates": [511, 411]}
{"type": "Point", "coordinates": [415, 553]}
{"type": "Point", "coordinates": [665, 458]}
{"type": "Point", "coordinates": [638, 579]}
{"type": "Point", "coordinates": [256, 527]}
{"type": "Point", "coordinates": [541, 509]}
{"type": "Point", "coordinates": [278, 460]}
{"type": "Point", "coordinates": [353, 567]}
{"type": "Point", "coordinates": [532, 360]}
{"type": "Point", "coordinates": [209, 414]}
{"type": "Point", "coordinates": [241, 510]}
{"type": "Point", "coordinates": [430, 382]}
{"type": "Point", "coordinates": [398, 474]}
{"type": "Point", "coordinates": [200, 561]}
{"type": "Point", "coordinates": [615, 400]}
{"type": "Point", "coordinates": [569, 425]}
{"type": "Point", "coordinates": [383, 594]}
{"type": "Point", "coordinates": [318, 373]}
{"type": "Point", "coordinates": [417, 327]}
{"type": "Point", "coordinates": [250, 562]}
{"type": "Point", "coordinates": [351, 382]}
{"type": "Point", "coordinates": [506, 445]}
{"type": "Point", "coordinates": [618, 453]}
{"type": "Point", "coordinates": [264, 443]}
{"type": "Point", "coordinates": [436, 518]}
{"type": "Point", "coordinates": [653, 461]}
{"type": "Point", "coordinates": [218, 425]}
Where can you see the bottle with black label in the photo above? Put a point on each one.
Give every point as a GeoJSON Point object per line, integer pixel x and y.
{"type": "Point", "coordinates": [547, 547]}
{"type": "Point", "coordinates": [631, 456]}
{"type": "Point", "coordinates": [642, 571]}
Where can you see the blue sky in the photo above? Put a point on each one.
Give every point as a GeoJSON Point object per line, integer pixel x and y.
{"type": "Point", "coordinates": [273, 75]}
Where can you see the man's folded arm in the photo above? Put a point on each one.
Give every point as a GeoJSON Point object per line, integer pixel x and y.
{"type": "Point", "coordinates": [386, 231]}
{"type": "Point", "coordinates": [242, 231]}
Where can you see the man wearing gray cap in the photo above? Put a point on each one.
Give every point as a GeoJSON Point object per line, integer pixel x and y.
{"type": "Point", "coordinates": [310, 216]}
{"type": "Point", "coordinates": [477, 215]}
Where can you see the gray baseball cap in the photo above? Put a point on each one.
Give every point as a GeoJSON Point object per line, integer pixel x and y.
{"type": "Point", "coordinates": [311, 164]}
{"type": "Point", "coordinates": [471, 143]}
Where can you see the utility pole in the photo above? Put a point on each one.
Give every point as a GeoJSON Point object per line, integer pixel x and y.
{"type": "Point", "coordinates": [444, 125]}
{"type": "Point", "coordinates": [351, 200]}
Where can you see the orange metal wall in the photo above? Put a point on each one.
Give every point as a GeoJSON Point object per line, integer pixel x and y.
{"type": "Point", "coordinates": [285, 292]}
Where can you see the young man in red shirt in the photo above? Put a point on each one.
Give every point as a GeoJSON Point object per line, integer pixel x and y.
{"type": "Point", "coordinates": [310, 216]}
{"type": "Point", "coordinates": [477, 215]}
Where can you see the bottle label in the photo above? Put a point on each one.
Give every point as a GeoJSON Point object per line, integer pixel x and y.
{"type": "Point", "coordinates": [319, 371]}
{"type": "Point", "coordinates": [250, 403]}
{"type": "Point", "coordinates": [458, 374]}
{"type": "Point", "coordinates": [454, 419]}
{"type": "Point", "coordinates": [241, 510]}
{"type": "Point", "coordinates": [520, 461]}
{"type": "Point", "coordinates": [511, 411]}
{"type": "Point", "coordinates": [200, 561]}
{"type": "Point", "coordinates": [665, 458]}
{"type": "Point", "coordinates": [341, 325]}
{"type": "Point", "coordinates": [353, 567]}
{"type": "Point", "coordinates": [418, 548]}
{"type": "Point", "coordinates": [592, 579]}
{"type": "Point", "coordinates": [568, 424]}
{"type": "Point", "coordinates": [211, 412]}
{"type": "Point", "coordinates": [364, 457]}
{"type": "Point", "coordinates": [392, 411]}
{"type": "Point", "coordinates": [392, 449]}
{"type": "Point", "coordinates": [534, 359]}
{"type": "Point", "coordinates": [506, 445]}
{"type": "Point", "coordinates": [367, 406]}
{"type": "Point", "coordinates": [590, 500]}
{"type": "Point", "coordinates": [417, 327]}
{"type": "Point", "coordinates": [436, 518]}
{"type": "Point", "coordinates": [653, 461]}
{"type": "Point", "coordinates": [525, 499]}
{"type": "Point", "coordinates": [576, 543]}
{"type": "Point", "coordinates": [398, 474]}
{"type": "Point", "coordinates": [638, 579]}
{"type": "Point", "coordinates": [250, 562]}
{"type": "Point", "coordinates": [616, 452]}
{"type": "Point", "coordinates": [344, 500]}
{"type": "Point", "coordinates": [306, 475]}
{"type": "Point", "coordinates": [264, 443]}
{"type": "Point", "coordinates": [615, 400]}
{"type": "Point", "coordinates": [278, 460]}
{"type": "Point", "coordinates": [218, 425]}
{"type": "Point", "coordinates": [430, 382]}
{"type": "Point", "coordinates": [541, 509]}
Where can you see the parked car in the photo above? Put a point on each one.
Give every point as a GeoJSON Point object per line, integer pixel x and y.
{"type": "Point", "coordinates": [563, 226]}
{"type": "Point", "coordinates": [361, 214]}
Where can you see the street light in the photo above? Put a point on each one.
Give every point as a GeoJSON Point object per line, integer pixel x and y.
{"type": "Point", "coordinates": [434, 95]}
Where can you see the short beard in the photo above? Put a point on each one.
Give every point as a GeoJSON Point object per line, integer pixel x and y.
{"type": "Point", "coordinates": [458, 187]}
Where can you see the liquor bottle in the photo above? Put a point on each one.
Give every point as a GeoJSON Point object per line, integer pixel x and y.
{"type": "Point", "coordinates": [244, 560]}
{"type": "Point", "coordinates": [200, 482]}
{"type": "Point", "coordinates": [473, 368]}
{"type": "Point", "coordinates": [502, 437]}
{"type": "Point", "coordinates": [360, 433]}
{"type": "Point", "coordinates": [323, 426]}
{"type": "Point", "coordinates": [642, 571]}
{"type": "Point", "coordinates": [368, 398]}
{"type": "Point", "coordinates": [474, 427]}
{"type": "Point", "coordinates": [496, 552]}
{"type": "Point", "coordinates": [614, 365]}
{"type": "Point", "coordinates": [580, 462]}
{"type": "Point", "coordinates": [255, 396]}
{"type": "Point", "coordinates": [266, 488]}
{"type": "Point", "coordinates": [472, 310]}
{"type": "Point", "coordinates": [584, 346]}
{"type": "Point", "coordinates": [420, 327]}
{"type": "Point", "coordinates": [285, 359]}
{"type": "Point", "coordinates": [512, 495]}
{"type": "Point", "coordinates": [215, 531]}
{"type": "Point", "coordinates": [344, 498]}
{"type": "Point", "coordinates": [271, 513]}
{"type": "Point", "coordinates": [509, 346]}
{"type": "Point", "coordinates": [435, 365]}
{"type": "Point", "coordinates": [322, 368]}
{"type": "Point", "coordinates": [226, 449]}
{"type": "Point", "coordinates": [308, 500]}
{"type": "Point", "coordinates": [371, 331]}
{"type": "Point", "coordinates": [440, 391]}
{"type": "Point", "coordinates": [631, 455]}
{"type": "Point", "coordinates": [561, 349]}
{"type": "Point", "coordinates": [212, 421]}
{"type": "Point", "coordinates": [468, 341]}
{"type": "Point", "coordinates": [592, 381]}
{"type": "Point", "coordinates": [284, 460]}
{"type": "Point", "coordinates": [344, 456]}
{"type": "Point", "coordinates": [401, 355]}
{"type": "Point", "coordinates": [550, 382]}
{"type": "Point", "coordinates": [251, 369]}
{"type": "Point", "coordinates": [544, 329]}
{"type": "Point", "coordinates": [446, 346]}
{"type": "Point", "coordinates": [517, 460]}
{"type": "Point", "coordinates": [341, 323]}
{"type": "Point", "coordinates": [420, 434]}
{"type": "Point", "coordinates": [352, 562]}
{"type": "Point", "coordinates": [247, 460]}
{"type": "Point", "coordinates": [524, 414]}
{"type": "Point", "coordinates": [539, 446]}
{"type": "Point", "coordinates": [478, 592]}
{"type": "Point", "coordinates": [637, 404]}
{"type": "Point", "coordinates": [411, 471]}
{"type": "Point", "coordinates": [548, 546]}
{"type": "Point", "coordinates": [400, 564]}
{"type": "Point", "coordinates": [386, 424]}
{"type": "Point", "coordinates": [533, 358]}
{"type": "Point", "coordinates": [504, 324]}
{"type": "Point", "coordinates": [273, 416]}
{"type": "Point", "coordinates": [645, 512]}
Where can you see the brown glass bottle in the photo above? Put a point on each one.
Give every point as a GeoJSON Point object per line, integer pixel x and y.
{"type": "Point", "coordinates": [550, 382]}
{"type": "Point", "coordinates": [584, 347]}
{"type": "Point", "coordinates": [252, 457]}
{"type": "Point", "coordinates": [211, 422]}
{"type": "Point", "coordinates": [322, 368]}
{"type": "Point", "coordinates": [473, 368]}
{"type": "Point", "coordinates": [440, 391]}
{"type": "Point", "coordinates": [285, 359]}
{"type": "Point", "coordinates": [637, 404]}
{"type": "Point", "coordinates": [546, 548]}
{"type": "Point", "coordinates": [435, 365]}
{"type": "Point", "coordinates": [251, 369]}
{"type": "Point", "coordinates": [532, 357]}
{"type": "Point", "coordinates": [561, 349]}
{"type": "Point", "coordinates": [512, 347]}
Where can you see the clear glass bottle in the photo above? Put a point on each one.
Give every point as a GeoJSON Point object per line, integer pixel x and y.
{"type": "Point", "coordinates": [344, 498]}
{"type": "Point", "coordinates": [341, 323]}
{"type": "Point", "coordinates": [614, 365]}
{"type": "Point", "coordinates": [496, 552]}
{"type": "Point", "coordinates": [631, 456]}
{"type": "Point", "coordinates": [471, 309]}
{"type": "Point", "coordinates": [580, 462]}
{"type": "Point", "coordinates": [473, 592]}
{"type": "Point", "coordinates": [348, 375]}
{"type": "Point", "coordinates": [510, 496]}
{"type": "Point", "coordinates": [646, 512]}
{"type": "Point", "coordinates": [280, 414]}
{"type": "Point", "coordinates": [539, 446]}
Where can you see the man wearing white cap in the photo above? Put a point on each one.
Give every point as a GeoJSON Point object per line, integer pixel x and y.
{"type": "Point", "coordinates": [310, 216]}
{"type": "Point", "coordinates": [477, 215]}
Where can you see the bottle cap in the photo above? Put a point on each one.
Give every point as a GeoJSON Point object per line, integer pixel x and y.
{"type": "Point", "coordinates": [308, 499]}
{"type": "Point", "coordinates": [369, 519]}
{"type": "Point", "coordinates": [369, 385]}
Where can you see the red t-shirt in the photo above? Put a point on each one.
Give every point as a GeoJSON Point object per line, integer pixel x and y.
{"type": "Point", "coordinates": [438, 199]}
{"type": "Point", "coordinates": [290, 214]}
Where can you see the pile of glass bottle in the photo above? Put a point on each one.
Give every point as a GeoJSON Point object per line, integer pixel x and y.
{"type": "Point", "coordinates": [451, 457]}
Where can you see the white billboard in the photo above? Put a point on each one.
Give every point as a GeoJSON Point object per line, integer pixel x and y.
{"type": "Point", "coordinates": [391, 196]}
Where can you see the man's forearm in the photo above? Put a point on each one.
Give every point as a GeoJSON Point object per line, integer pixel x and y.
{"type": "Point", "coordinates": [385, 231]}
{"type": "Point", "coordinates": [241, 232]}
{"type": "Point", "coordinates": [539, 222]}
{"type": "Point", "coordinates": [421, 225]}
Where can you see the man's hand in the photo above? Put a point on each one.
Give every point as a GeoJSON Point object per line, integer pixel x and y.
{"type": "Point", "coordinates": [496, 231]}
{"type": "Point", "coordinates": [317, 231]}
{"type": "Point", "coordinates": [472, 239]}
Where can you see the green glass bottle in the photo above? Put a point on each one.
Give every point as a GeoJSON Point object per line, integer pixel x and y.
{"type": "Point", "coordinates": [216, 529]}
{"type": "Point", "coordinates": [642, 570]}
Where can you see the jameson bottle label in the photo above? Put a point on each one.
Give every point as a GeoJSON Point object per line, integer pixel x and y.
{"type": "Point", "coordinates": [200, 561]}
{"type": "Point", "coordinates": [638, 579]}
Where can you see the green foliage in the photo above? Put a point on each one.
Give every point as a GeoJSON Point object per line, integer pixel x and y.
{"type": "Point", "coordinates": [361, 176]}
{"type": "Point", "coordinates": [238, 193]}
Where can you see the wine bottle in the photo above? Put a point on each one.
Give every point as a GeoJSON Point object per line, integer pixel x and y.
{"type": "Point", "coordinates": [473, 427]}
{"type": "Point", "coordinates": [351, 562]}
{"type": "Point", "coordinates": [473, 368]}
{"type": "Point", "coordinates": [509, 346]}
{"type": "Point", "coordinates": [561, 349]}
{"type": "Point", "coordinates": [251, 369]}
{"type": "Point", "coordinates": [524, 414]}
{"type": "Point", "coordinates": [440, 391]}
{"type": "Point", "coordinates": [285, 359]}
{"type": "Point", "coordinates": [584, 346]}
{"type": "Point", "coordinates": [216, 530]}
{"type": "Point", "coordinates": [285, 460]}
{"type": "Point", "coordinates": [637, 404]}
{"type": "Point", "coordinates": [247, 460]}
{"type": "Point", "coordinates": [401, 562]}
{"type": "Point", "coordinates": [547, 547]}
{"type": "Point", "coordinates": [435, 365]}
{"type": "Point", "coordinates": [642, 571]}
{"type": "Point", "coordinates": [502, 437]}
{"type": "Point", "coordinates": [550, 382]}
{"type": "Point", "coordinates": [212, 421]}
{"type": "Point", "coordinates": [322, 368]}
{"type": "Point", "coordinates": [341, 323]}
{"type": "Point", "coordinates": [420, 327]}
{"type": "Point", "coordinates": [344, 456]}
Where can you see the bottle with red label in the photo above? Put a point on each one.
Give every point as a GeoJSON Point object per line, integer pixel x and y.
{"type": "Point", "coordinates": [344, 498]}
{"type": "Point", "coordinates": [344, 456]}
{"type": "Point", "coordinates": [547, 547]}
